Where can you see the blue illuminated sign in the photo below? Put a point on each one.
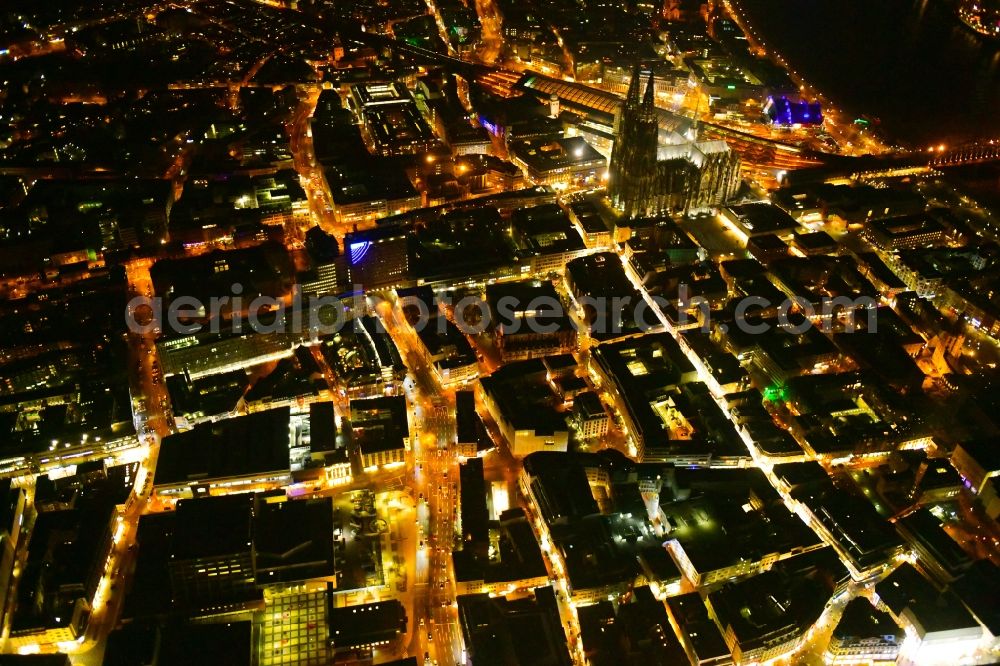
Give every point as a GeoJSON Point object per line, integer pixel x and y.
{"type": "Point", "coordinates": [359, 250]}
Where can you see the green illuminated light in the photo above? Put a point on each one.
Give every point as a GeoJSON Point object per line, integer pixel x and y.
{"type": "Point", "coordinates": [776, 393]}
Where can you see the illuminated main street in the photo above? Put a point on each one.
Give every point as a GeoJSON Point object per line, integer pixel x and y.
{"type": "Point", "coordinates": [152, 421]}
{"type": "Point", "coordinates": [435, 477]}
{"type": "Point", "coordinates": [300, 144]}
{"type": "Point", "coordinates": [491, 38]}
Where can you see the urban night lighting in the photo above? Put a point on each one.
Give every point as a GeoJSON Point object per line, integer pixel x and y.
{"type": "Point", "coordinates": [454, 333]}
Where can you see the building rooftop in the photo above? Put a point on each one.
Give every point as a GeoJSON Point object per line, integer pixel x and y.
{"type": "Point", "coordinates": [547, 155]}
{"type": "Point", "coordinates": [600, 634]}
{"type": "Point", "coordinates": [515, 555]}
{"type": "Point", "coordinates": [797, 474]}
{"type": "Point", "coordinates": [367, 182]}
{"type": "Point", "coordinates": [213, 527]}
{"type": "Point", "coordinates": [896, 229]}
{"type": "Point", "coordinates": [723, 366]}
{"type": "Point", "coordinates": [861, 621]}
{"type": "Point", "coordinates": [514, 305]}
{"type": "Point", "coordinates": [469, 426]}
{"type": "Point", "coordinates": [560, 484]}
{"type": "Point", "coordinates": [588, 405]}
{"type": "Point", "coordinates": [979, 588]}
{"type": "Point", "coordinates": [986, 453]}
{"type": "Point", "coordinates": [472, 502]}
{"type": "Point", "coordinates": [647, 630]}
{"type": "Point", "coordinates": [906, 590]}
{"type": "Point", "coordinates": [755, 219]}
{"type": "Point", "coordinates": [254, 444]}
{"type": "Point", "coordinates": [323, 433]}
{"type": "Point", "coordinates": [514, 631]}
{"type": "Point", "coordinates": [761, 608]}
{"type": "Point", "coordinates": [922, 528]}
{"type": "Point", "coordinates": [524, 397]}
{"type": "Point", "coordinates": [206, 643]}
{"type": "Point", "coordinates": [293, 541]}
{"type": "Point", "coordinates": [699, 633]}
{"type": "Point", "coordinates": [865, 536]}
{"type": "Point", "coordinates": [600, 104]}
{"type": "Point", "coordinates": [544, 229]}
{"type": "Point", "coordinates": [150, 594]}
{"type": "Point", "coordinates": [721, 517]}
{"type": "Point", "coordinates": [465, 243]}
{"type": "Point", "coordinates": [379, 424]}
{"type": "Point", "coordinates": [262, 270]}
{"type": "Point", "coordinates": [206, 396]}
{"type": "Point", "coordinates": [365, 624]}
{"type": "Point", "coordinates": [817, 242]}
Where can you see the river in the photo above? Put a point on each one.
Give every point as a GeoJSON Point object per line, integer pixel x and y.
{"type": "Point", "coordinates": [909, 63]}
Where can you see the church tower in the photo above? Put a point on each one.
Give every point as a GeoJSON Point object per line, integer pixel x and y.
{"type": "Point", "coordinates": [646, 179]}
{"type": "Point", "coordinates": [632, 172]}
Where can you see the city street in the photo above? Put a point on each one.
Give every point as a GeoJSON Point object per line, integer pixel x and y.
{"type": "Point", "coordinates": [509, 154]}
{"type": "Point", "coordinates": [152, 422]}
{"type": "Point", "coordinates": [435, 469]}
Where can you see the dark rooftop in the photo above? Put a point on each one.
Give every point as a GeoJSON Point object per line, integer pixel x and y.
{"type": "Point", "coordinates": [862, 621]}
{"type": "Point", "coordinates": [213, 526]}
{"type": "Point", "coordinates": [522, 631]}
{"type": "Point", "coordinates": [352, 626]}
{"type": "Point", "coordinates": [253, 444]}
{"type": "Point", "coordinates": [293, 540]}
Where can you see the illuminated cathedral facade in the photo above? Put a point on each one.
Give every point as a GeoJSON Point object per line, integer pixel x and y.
{"type": "Point", "coordinates": [648, 178]}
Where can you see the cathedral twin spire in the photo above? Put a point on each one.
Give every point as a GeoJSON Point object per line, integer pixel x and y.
{"type": "Point", "coordinates": [632, 97]}
{"type": "Point", "coordinates": [632, 169]}
{"type": "Point", "coordinates": [648, 97]}
{"type": "Point", "coordinates": [648, 103]}
{"type": "Point", "coordinates": [640, 184]}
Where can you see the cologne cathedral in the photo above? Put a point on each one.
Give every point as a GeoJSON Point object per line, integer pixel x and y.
{"type": "Point", "coordinates": [647, 178]}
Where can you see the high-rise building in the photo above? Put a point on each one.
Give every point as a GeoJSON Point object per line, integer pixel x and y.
{"type": "Point", "coordinates": [646, 178]}
{"type": "Point", "coordinates": [378, 257]}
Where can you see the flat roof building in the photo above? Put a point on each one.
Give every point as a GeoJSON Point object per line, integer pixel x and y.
{"type": "Point", "coordinates": [364, 627]}
{"type": "Point", "coordinates": [757, 219]}
{"type": "Point", "coordinates": [559, 161]}
{"type": "Point", "coordinates": [524, 406]}
{"type": "Point", "coordinates": [937, 552]}
{"type": "Point", "coordinates": [978, 461]}
{"type": "Point", "coordinates": [381, 430]}
{"type": "Point", "coordinates": [699, 635]}
{"type": "Point", "coordinates": [766, 616]}
{"type": "Point", "coordinates": [904, 233]}
{"type": "Point", "coordinates": [516, 631]}
{"type": "Point", "coordinates": [364, 191]}
{"type": "Point", "coordinates": [934, 617]}
{"type": "Point", "coordinates": [392, 120]}
{"type": "Point", "coordinates": [471, 436]}
{"type": "Point", "coordinates": [860, 535]}
{"type": "Point", "coordinates": [293, 541]}
{"type": "Point", "coordinates": [590, 416]}
{"type": "Point", "coordinates": [241, 454]}
{"type": "Point", "coordinates": [609, 301]}
{"type": "Point", "coordinates": [211, 565]}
